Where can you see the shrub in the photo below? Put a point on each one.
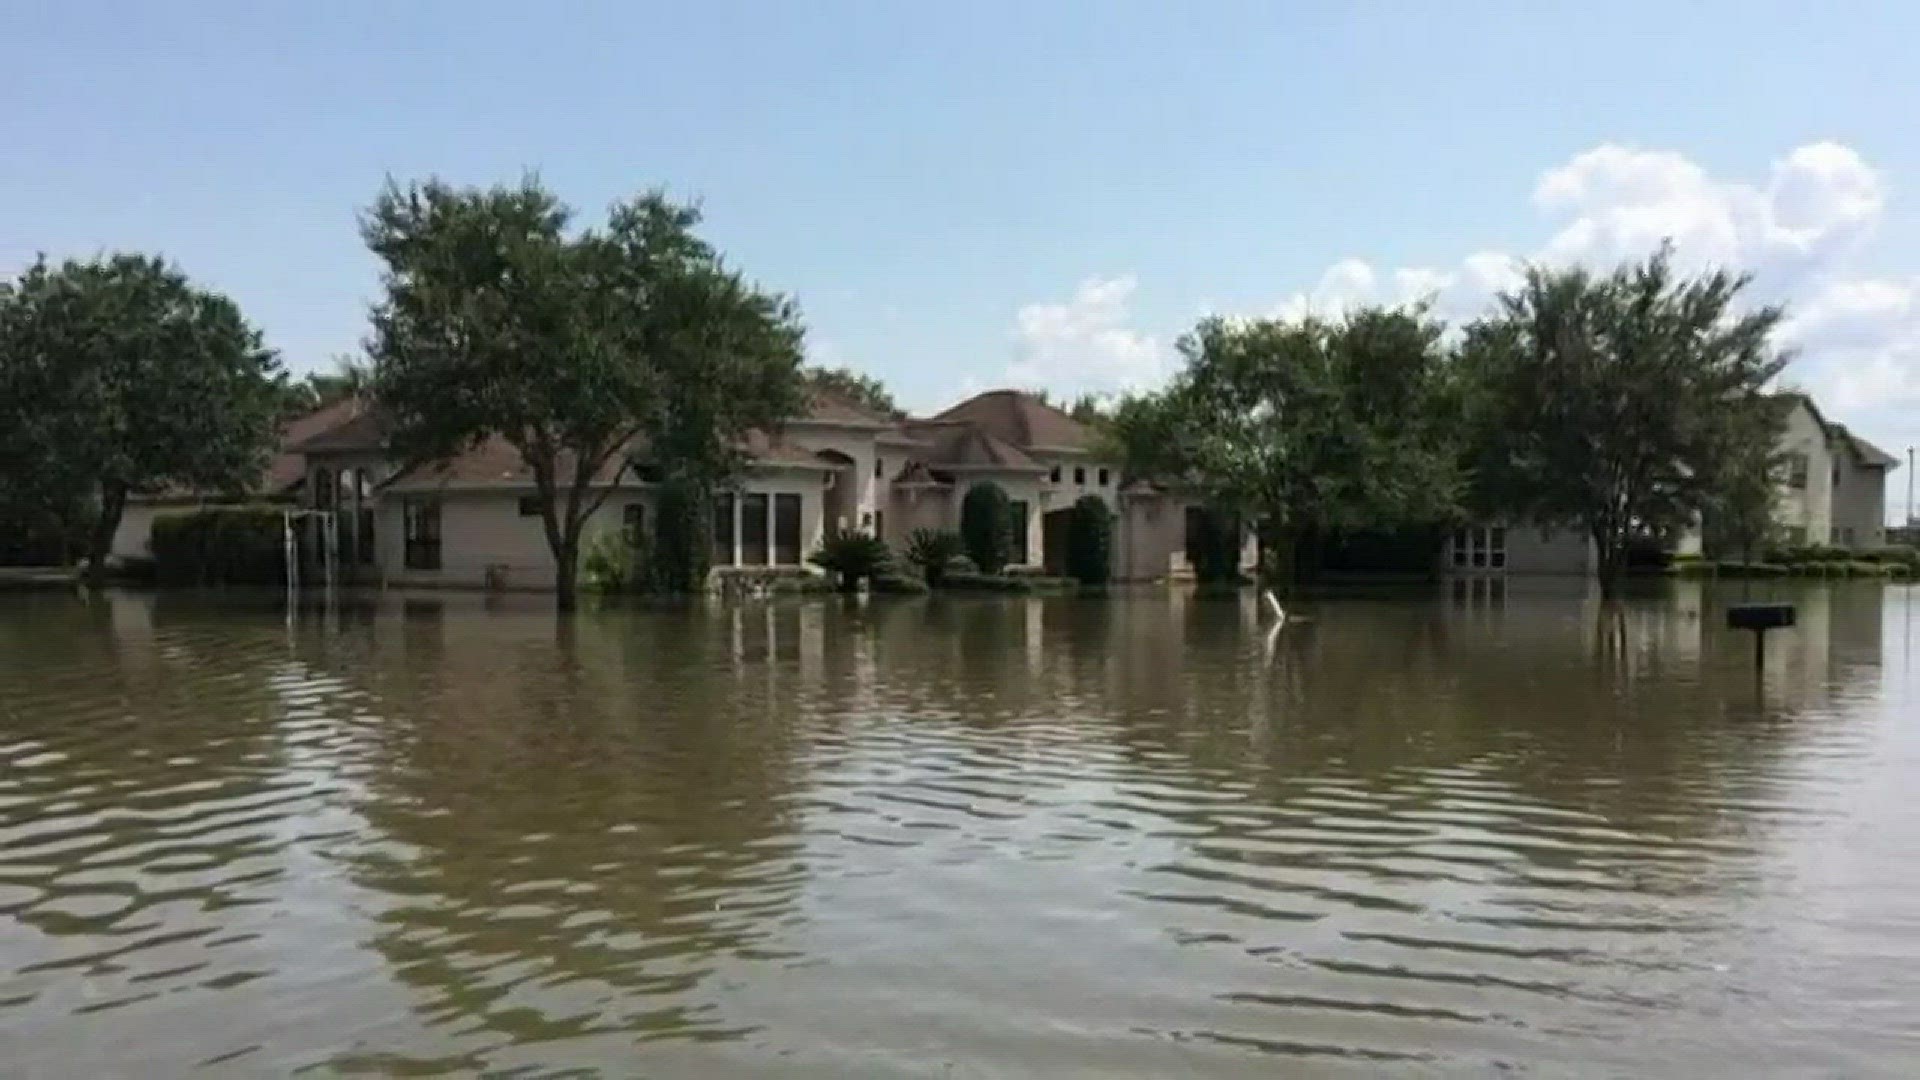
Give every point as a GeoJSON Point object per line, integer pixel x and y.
{"type": "Point", "coordinates": [986, 526]}
{"type": "Point", "coordinates": [1005, 583]}
{"type": "Point", "coordinates": [1090, 541]}
{"type": "Point", "coordinates": [221, 545]}
{"type": "Point", "coordinates": [1214, 547]}
{"type": "Point", "coordinates": [933, 552]}
{"type": "Point", "coordinates": [960, 564]}
{"type": "Point", "coordinates": [678, 560]}
{"type": "Point", "coordinates": [608, 561]}
{"type": "Point", "coordinates": [854, 555]}
{"type": "Point", "coordinates": [898, 585]}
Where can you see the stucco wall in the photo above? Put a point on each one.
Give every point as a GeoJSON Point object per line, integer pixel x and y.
{"type": "Point", "coordinates": [1532, 550]}
{"type": "Point", "coordinates": [131, 538]}
{"type": "Point", "coordinates": [1150, 536]}
{"type": "Point", "coordinates": [479, 530]}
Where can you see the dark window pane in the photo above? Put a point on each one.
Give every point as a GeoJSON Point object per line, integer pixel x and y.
{"type": "Point", "coordinates": [633, 522]}
{"type": "Point", "coordinates": [1103, 478]}
{"type": "Point", "coordinates": [786, 530]}
{"type": "Point", "coordinates": [1019, 533]}
{"type": "Point", "coordinates": [1055, 474]}
{"type": "Point", "coordinates": [1079, 474]}
{"type": "Point", "coordinates": [421, 523]}
{"type": "Point", "coordinates": [753, 530]}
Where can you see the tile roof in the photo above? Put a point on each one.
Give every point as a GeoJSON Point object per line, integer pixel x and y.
{"type": "Point", "coordinates": [964, 444]}
{"type": "Point", "coordinates": [826, 406]}
{"type": "Point", "coordinates": [494, 462]}
{"type": "Point", "coordinates": [1023, 420]}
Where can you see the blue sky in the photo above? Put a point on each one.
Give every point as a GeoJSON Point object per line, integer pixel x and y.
{"type": "Point", "coordinates": [966, 195]}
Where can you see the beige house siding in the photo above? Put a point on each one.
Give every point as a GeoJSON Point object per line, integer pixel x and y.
{"type": "Point", "coordinates": [132, 539]}
{"type": "Point", "coordinates": [1860, 506]}
{"type": "Point", "coordinates": [1805, 510]}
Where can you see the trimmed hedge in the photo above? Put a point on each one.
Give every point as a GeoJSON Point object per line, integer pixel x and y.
{"type": "Point", "coordinates": [986, 526]}
{"type": "Point", "coordinates": [1005, 583]}
{"type": "Point", "coordinates": [1089, 555]}
{"type": "Point", "coordinates": [892, 584]}
{"type": "Point", "coordinates": [221, 545]}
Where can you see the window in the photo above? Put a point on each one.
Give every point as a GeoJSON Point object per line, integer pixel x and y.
{"type": "Point", "coordinates": [753, 529]}
{"type": "Point", "coordinates": [1797, 472]}
{"type": "Point", "coordinates": [786, 530]}
{"type": "Point", "coordinates": [1836, 475]}
{"type": "Point", "coordinates": [1080, 474]}
{"type": "Point", "coordinates": [1478, 548]}
{"type": "Point", "coordinates": [879, 467]}
{"type": "Point", "coordinates": [633, 524]}
{"type": "Point", "coordinates": [1103, 478]}
{"type": "Point", "coordinates": [323, 490]}
{"type": "Point", "coordinates": [1054, 475]}
{"type": "Point", "coordinates": [722, 530]}
{"type": "Point", "coordinates": [880, 524]}
{"type": "Point", "coordinates": [1019, 534]}
{"type": "Point", "coordinates": [529, 506]}
{"type": "Point", "coordinates": [421, 522]}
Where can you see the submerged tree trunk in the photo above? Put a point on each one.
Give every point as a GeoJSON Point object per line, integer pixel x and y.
{"type": "Point", "coordinates": [1612, 555]}
{"type": "Point", "coordinates": [566, 575]}
{"type": "Point", "coordinates": [113, 503]}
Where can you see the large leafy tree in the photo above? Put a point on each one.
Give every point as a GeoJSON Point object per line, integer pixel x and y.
{"type": "Point", "coordinates": [1621, 404]}
{"type": "Point", "coordinates": [863, 389]}
{"type": "Point", "coordinates": [580, 348]}
{"type": "Point", "coordinates": [1306, 424]}
{"type": "Point", "coordinates": [120, 377]}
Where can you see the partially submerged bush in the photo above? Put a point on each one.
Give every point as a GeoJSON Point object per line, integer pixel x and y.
{"type": "Point", "coordinates": [221, 545]}
{"type": "Point", "coordinates": [855, 556]}
{"type": "Point", "coordinates": [933, 551]}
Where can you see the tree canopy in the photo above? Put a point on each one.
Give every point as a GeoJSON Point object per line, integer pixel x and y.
{"type": "Point", "coordinates": [579, 348]}
{"type": "Point", "coordinates": [1303, 424]}
{"type": "Point", "coordinates": [862, 389]}
{"type": "Point", "coordinates": [119, 377]}
{"type": "Point", "coordinates": [1621, 404]}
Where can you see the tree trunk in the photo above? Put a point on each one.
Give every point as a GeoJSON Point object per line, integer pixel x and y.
{"type": "Point", "coordinates": [113, 503]}
{"type": "Point", "coordinates": [1611, 571]}
{"type": "Point", "coordinates": [566, 573]}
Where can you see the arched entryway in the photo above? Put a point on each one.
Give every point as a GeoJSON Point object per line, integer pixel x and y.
{"type": "Point", "coordinates": [838, 504]}
{"type": "Point", "coordinates": [1054, 527]}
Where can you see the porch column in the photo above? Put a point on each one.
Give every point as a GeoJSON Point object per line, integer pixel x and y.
{"type": "Point", "coordinates": [739, 515]}
{"type": "Point", "coordinates": [773, 538]}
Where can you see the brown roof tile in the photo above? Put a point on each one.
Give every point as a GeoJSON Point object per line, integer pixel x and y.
{"type": "Point", "coordinates": [1023, 420]}
{"type": "Point", "coordinates": [951, 444]}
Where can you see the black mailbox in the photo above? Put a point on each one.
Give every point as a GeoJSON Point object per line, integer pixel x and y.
{"type": "Point", "coordinates": [1759, 616]}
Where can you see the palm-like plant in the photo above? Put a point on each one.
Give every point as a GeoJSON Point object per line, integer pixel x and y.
{"type": "Point", "coordinates": [931, 550]}
{"type": "Point", "coordinates": [855, 556]}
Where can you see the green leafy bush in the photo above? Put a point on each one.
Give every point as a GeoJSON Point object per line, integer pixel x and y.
{"type": "Point", "coordinates": [678, 561]}
{"type": "Point", "coordinates": [1005, 583]}
{"type": "Point", "coordinates": [221, 545]}
{"type": "Point", "coordinates": [1214, 548]}
{"type": "Point", "coordinates": [855, 556]}
{"type": "Point", "coordinates": [898, 584]}
{"type": "Point", "coordinates": [1089, 555]}
{"type": "Point", "coordinates": [608, 562]}
{"type": "Point", "coordinates": [933, 551]}
{"type": "Point", "coordinates": [986, 526]}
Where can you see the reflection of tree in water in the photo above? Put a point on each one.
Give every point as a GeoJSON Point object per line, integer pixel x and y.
{"type": "Point", "coordinates": [578, 823]}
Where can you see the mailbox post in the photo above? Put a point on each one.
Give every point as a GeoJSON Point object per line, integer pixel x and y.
{"type": "Point", "coordinates": [1759, 618]}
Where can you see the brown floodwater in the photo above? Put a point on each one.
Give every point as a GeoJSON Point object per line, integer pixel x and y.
{"type": "Point", "coordinates": [1497, 830]}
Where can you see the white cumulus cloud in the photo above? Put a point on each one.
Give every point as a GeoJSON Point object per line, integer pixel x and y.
{"type": "Point", "coordinates": [1084, 343]}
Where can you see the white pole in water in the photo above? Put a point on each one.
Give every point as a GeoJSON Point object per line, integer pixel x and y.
{"type": "Point", "coordinates": [1273, 604]}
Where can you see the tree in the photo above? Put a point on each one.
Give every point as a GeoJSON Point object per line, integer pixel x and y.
{"type": "Point", "coordinates": [120, 377]}
{"type": "Point", "coordinates": [578, 349]}
{"type": "Point", "coordinates": [1296, 425]}
{"type": "Point", "coordinates": [860, 388]}
{"type": "Point", "coordinates": [1620, 405]}
{"type": "Point", "coordinates": [986, 526]}
{"type": "Point", "coordinates": [1738, 517]}
{"type": "Point", "coordinates": [1089, 554]}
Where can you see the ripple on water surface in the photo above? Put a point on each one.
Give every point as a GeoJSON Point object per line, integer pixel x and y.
{"type": "Point", "coordinates": [1138, 837]}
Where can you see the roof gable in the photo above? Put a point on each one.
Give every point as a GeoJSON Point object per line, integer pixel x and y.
{"type": "Point", "coordinates": [1022, 420]}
